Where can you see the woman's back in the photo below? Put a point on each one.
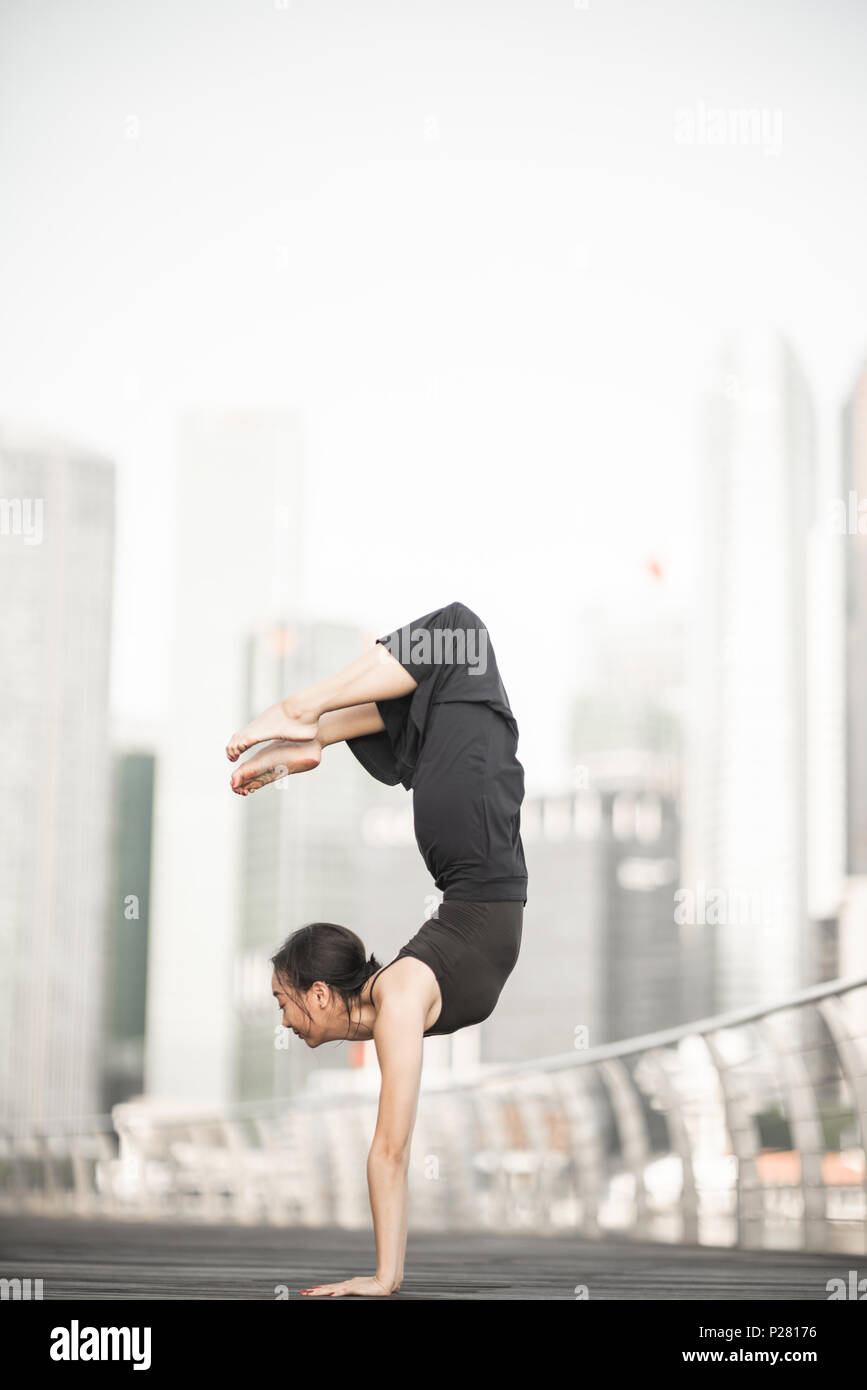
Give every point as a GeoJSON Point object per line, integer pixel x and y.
{"type": "Point", "coordinates": [468, 787]}
{"type": "Point", "coordinates": [453, 742]}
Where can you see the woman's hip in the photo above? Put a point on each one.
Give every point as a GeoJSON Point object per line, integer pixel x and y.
{"type": "Point", "coordinates": [459, 931]}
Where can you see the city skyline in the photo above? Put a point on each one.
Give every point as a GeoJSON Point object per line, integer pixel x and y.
{"type": "Point", "coordinates": [496, 282]}
{"type": "Point", "coordinates": [205, 436]}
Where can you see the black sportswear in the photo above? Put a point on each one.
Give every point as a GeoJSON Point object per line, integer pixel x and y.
{"type": "Point", "coordinates": [453, 742]}
{"type": "Point", "coordinates": [472, 949]}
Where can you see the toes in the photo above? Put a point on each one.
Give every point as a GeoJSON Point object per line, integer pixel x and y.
{"type": "Point", "coordinates": [260, 779]}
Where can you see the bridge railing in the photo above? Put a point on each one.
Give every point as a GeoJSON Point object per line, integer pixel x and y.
{"type": "Point", "coordinates": [747, 1129]}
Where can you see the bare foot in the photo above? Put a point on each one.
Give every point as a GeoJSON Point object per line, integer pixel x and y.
{"type": "Point", "coordinates": [275, 760]}
{"type": "Point", "coordinates": [278, 722]}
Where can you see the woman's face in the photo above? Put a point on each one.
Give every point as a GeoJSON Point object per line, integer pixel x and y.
{"type": "Point", "coordinates": [293, 1015]}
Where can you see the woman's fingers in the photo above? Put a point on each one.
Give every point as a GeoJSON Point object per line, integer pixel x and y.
{"type": "Point", "coordinates": [366, 1287]}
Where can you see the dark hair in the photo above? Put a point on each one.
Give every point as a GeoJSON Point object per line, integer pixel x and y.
{"type": "Point", "coordinates": [325, 951]}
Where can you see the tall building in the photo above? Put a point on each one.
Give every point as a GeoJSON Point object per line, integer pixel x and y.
{"type": "Point", "coordinates": [855, 544]}
{"type": "Point", "coordinates": [853, 944]}
{"type": "Point", "coordinates": [600, 955]}
{"type": "Point", "coordinates": [746, 821]}
{"type": "Point", "coordinates": [628, 723]}
{"type": "Point", "coordinates": [239, 531]}
{"type": "Point", "coordinates": [647, 979]}
{"type": "Point", "coordinates": [554, 999]}
{"type": "Point", "coordinates": [128, 924]}
{"type": "Point", "coordinates": [57, 519]}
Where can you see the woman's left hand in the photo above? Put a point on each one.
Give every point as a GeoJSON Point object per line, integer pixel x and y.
{"type": "Point", "coordinates": [366, 1287]}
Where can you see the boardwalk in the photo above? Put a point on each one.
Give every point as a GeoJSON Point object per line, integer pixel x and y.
{"type": "Point", "coordinates": [112, 1260]}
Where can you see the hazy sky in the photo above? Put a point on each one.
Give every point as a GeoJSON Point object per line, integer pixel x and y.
{"type": "Point", "coordinates": [466, 241]}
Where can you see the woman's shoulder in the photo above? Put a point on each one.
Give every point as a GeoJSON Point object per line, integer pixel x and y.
{"type": "Point", "coordinates": [416, 978]}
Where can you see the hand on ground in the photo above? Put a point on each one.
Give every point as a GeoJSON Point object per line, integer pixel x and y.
{"type": "Point", "coordinates": [364, 1287]}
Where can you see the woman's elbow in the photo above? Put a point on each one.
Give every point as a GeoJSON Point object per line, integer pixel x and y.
{"type": "Point", "coordinates": [390, 1153]}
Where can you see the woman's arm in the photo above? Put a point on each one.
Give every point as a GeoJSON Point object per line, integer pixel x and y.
{"type": "Point", "coordinates": [337, 725]}
{"type": "Point", "coordinates": [398, 1037]}
{"type": "Point", "coordinates": [398, 1033]}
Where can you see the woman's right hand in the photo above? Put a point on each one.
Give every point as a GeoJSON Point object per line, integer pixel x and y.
{"type": "Point", "coordinates": [274, 760]}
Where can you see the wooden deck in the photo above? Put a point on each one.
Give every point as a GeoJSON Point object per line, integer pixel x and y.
{"type": "Point", "coordinates": [87, 1259]}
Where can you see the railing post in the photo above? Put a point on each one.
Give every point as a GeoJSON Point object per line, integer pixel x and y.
{"type": "Point", "coordinates": [806, 1129]}
{"type": "Point", "coordinates": [743, 1139]}
{"type": "Point", "coordinates": [633, 1133]}
{"type": "Point", "coordinates": [657, 1060]}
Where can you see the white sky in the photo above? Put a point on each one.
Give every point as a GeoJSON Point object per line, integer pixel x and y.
{"type": "Point", "coordinates": [461, 240]}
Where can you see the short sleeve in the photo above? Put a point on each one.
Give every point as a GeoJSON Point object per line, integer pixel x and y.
{"type": "Point", "coordinates": [379, 754]}
{"type": "Point", "coordinates": [449, 653]}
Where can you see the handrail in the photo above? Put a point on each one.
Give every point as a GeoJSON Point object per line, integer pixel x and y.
{"type": "Point", "coordinates": [237, 1110]}
{"type": "Point", "coordinates": [757, 1140]}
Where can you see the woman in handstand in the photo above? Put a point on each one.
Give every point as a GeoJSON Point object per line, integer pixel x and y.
{"type": "Point", "coordinates": [425, 707]}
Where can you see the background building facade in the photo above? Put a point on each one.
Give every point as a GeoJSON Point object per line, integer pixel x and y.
{"type": "Point", "coordinates": [56, 575]}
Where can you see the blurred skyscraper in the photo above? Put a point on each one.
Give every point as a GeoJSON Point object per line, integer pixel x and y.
{"type": "Point", "coordinates": [239, 534]}
{"type": "Point", "coordinates": [626, 747]}
{"type": "Point", "coordinates": [854, 509]}
{"type": "Point", "coordinates": [764, 687]}
{"type": "Point", "coordinates": [855, 482]}
{"type": "Point", "coordinates": [57, 519]}
{"type": "Point", "coordinates": [600, 956]}
{"type": "Point", "coordinates": [128, 921]}
{"type": "Point", "coordinates": [646, 985]}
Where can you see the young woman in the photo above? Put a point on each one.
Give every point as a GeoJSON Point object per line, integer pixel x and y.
{"type": "Point", "coordinates": [425, 707]}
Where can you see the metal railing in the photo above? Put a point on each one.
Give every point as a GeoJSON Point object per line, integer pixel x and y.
{"type": "Point", "coordinates": [747, 1129]}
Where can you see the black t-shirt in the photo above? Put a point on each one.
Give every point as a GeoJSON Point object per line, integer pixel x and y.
{"type": "Point", "coordinates": [453, 742]}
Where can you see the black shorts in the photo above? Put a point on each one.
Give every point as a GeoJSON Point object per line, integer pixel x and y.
{"type": "Point", "coordinates": [472, 949]}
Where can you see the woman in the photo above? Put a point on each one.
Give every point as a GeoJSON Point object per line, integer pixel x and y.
{"type": "Point", "coordinates": [425, 707]}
